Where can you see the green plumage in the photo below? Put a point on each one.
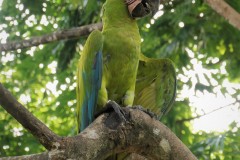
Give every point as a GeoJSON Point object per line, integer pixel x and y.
{"type": "Point", "coordinates": [155, 85]}
{"type": "Point", "coordinates": [121, 50]}
{"type": "Point", "coordinates": [119, 45]}
{"type": "Point", "coordinates": [112, 68]}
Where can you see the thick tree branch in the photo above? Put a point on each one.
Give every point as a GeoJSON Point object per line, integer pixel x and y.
{"type": "Point", "coordinates": [140, 134]}
{"type": "Point", "coordinates": [225, 10]}
{"type": "Point", "coordinates": [45, 136]}
{"type": "Point", "coordinates": [56, 36]}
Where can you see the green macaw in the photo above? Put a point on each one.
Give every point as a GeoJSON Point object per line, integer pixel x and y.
{"type": "Point", "coordinates": [109, 65]}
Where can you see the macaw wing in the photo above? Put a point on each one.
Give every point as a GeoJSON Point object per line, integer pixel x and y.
{"type": "Point", "coordinates": [89, 79]}
{"type": "Point", "coordinates": [155, 85]}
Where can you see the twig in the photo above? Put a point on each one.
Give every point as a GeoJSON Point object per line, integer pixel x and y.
{"type": "Point", "coordinates": [199, 116]}
{"type": "Point", "coordinates": [45, 136]}
{"type": "Point", "coordinates": [225, 10]}
{"type": "Point", "coordinates": [56, 36]}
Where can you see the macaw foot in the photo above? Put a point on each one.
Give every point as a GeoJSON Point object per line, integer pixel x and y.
{"type": "Point", "coordinates": [147, 111]}
{"type": "Point", "coordinates": [114, 119]}
{"type": "Point", "coordinates": [118, 110]}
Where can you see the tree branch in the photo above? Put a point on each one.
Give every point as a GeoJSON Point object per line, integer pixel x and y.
{"type": "Point", "coordinates": [220, 6]}
{"type": "Point", "coordinates": [56, 36]}
{"type": "Point", "coordinates": [140, 134]}
{"type": "Point", "coordinates": [45, 136]}
{"type": "Point", "coordinates": [225, 10]}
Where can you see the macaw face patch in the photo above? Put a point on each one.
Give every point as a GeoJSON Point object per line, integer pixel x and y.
{"type": "Point", "coordinates": [141, 8]}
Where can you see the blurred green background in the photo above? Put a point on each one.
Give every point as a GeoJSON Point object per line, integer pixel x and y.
{"type": "Point", "coordinates": [203, 45]}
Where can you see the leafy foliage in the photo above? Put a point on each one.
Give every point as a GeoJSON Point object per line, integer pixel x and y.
{"type": "Point", "coordinates": [43, 78]}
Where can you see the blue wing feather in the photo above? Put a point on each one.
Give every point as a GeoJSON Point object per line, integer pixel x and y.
{"type": "Point", "coordinates": [90, 100]}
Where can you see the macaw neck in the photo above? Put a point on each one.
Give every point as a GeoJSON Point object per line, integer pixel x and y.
{"type": "Point", "coordinates": [115, 14]}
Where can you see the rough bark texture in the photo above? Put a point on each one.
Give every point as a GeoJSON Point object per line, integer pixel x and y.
{"type": "Point", "coordinates": [56, 36]}
{"type": "Point", "coordinates": [140, 134]}
{"type": "Point", "coordinates": [225, 10]}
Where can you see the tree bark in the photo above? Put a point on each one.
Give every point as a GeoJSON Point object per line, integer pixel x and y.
{"type": "Point", "coordinates": [225, 10]}
{"type": "Point", "coordinates": [140, 134]}
{"type": "Point", "coordinates": [56, 36]}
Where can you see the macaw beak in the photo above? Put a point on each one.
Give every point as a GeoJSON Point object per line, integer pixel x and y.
{"type": "Point", "coordinates": [141, 8]}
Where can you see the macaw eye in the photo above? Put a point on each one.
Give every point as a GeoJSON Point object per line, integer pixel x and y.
{"type": "Point", "coordinates": [145, 4]}
{"type": "Point", "coordinates": [138, 8]}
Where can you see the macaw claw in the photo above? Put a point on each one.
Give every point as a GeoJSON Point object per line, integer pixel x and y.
{"type": "Point", "coordinates": [147, 111]}
{"type": "Point", "coordinates": [117, 116]}
{"type": "Point", "coordinates": [118, 110]}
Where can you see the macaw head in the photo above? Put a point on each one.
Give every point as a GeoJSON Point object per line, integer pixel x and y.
{"type": "Point", "coordinates": [141, 8]}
